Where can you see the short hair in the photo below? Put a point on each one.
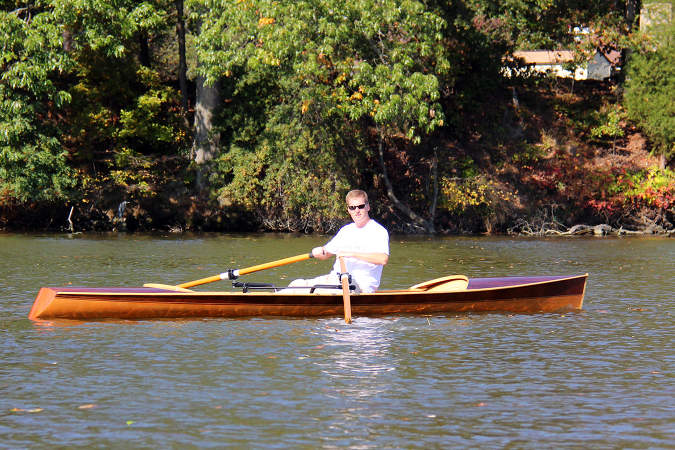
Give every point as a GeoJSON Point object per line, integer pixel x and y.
{"type": "Point", "coordinates": [356, 193]}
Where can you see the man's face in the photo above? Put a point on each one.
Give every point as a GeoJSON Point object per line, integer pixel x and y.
{"type": "Point", "coordinates": [358, 209]}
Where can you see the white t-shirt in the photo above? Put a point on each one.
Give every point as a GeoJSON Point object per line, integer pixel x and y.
{"type": "Point", "coordinates": [371, 238]}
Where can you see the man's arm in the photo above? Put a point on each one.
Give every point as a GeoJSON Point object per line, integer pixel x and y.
{"type": "Point", "coordinates": [373, 258]}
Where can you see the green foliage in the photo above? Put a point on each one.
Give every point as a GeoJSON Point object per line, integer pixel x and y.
{"type": "Point", "coordinates": [109, 27]}
{"type": "Point", "coordinates": [372, 59]}
{"type": "Point", "coordinates": [33, 166]}
{"type": "Point", "coordinates": [119, 102]}
{"type": "Point", "coordinates": [610, 125]}
{"type": "Point", "coordinates": [537, 24]}
{"type": "Point", "coordinates": [531, 154]}
{"type": "Point", "coordinates": [297, 189]}
{"type": "Point", "coordinates": [649, 93]}
{"type": "Point", "coordinates": [329, 70]}
{"type": "Point", "coordinates": [34, 172]}
{"type": "Point", "coordinates": [73, 94]}
{"type": "Point", "coordinates": [653, 187]}
{"type": "Point", "coordinates": [152, 122]}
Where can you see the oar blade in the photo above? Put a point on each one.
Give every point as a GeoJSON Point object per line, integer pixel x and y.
{"type": "Point", "coordinates": [448, 283]}
{"type": "Point", "coordinates": [166, 287]}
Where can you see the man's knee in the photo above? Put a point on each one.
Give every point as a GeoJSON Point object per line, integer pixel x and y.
{"type": "Point", "coordinates": [300, 282]}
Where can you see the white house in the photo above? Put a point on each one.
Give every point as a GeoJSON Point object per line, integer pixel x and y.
{"type": "Point", "coordinates": [600, 67]}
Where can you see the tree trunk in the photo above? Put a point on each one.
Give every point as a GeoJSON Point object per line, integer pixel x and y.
{"type": "Point", "coordinates": [182, 62]}
{"type": "Point", "coordinates": [144, 55]}
{"type": "Point", "coordinates": [426, 225]}
{"type": "Point", "coordinates": [632, 6]}
{"type": "Point", "coordinates": [206, 143]}
{"type": "Point", "coordinates": [68, 41]}
{"type": "Point", "coordinates": [434, 179]}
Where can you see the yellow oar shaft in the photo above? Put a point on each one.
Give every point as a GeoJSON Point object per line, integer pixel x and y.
{"type": "Point", "coordinates": [270, 265]}
{"type": "Point", "coordinates": [189, 284]}
{"type": "Point", "coordinates": [232, 274]}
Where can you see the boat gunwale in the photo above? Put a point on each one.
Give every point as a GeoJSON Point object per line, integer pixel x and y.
{"type": "Point", "coordinates": [169, 294]}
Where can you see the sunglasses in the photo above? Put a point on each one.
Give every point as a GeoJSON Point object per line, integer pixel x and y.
{"type": "Point", "coordinates": [353, 208]}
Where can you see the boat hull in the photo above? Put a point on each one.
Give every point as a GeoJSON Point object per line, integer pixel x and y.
{"type": "Point", "coordinates": [509, 294]}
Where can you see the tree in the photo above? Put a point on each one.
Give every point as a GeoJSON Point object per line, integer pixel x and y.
{"type": "Point", "coordinates": [77, 82]}
{"type": "Point", "coordinates": [333, 66]}
{"type": "Point", "coordinates": [33, 165]}
{"type": "Point", "coordinates": [122, 105]}
{"type": "Point", "coordinates": [649, 91]}
{"type": "Point", "coordinates": [206, 143]}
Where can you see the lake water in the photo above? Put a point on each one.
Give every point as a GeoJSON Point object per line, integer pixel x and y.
{"type": "Point", "coordinates": [600, 378]}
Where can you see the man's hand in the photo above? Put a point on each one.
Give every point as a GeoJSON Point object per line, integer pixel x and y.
{"type": "Point", "coordinates": [321, 253]}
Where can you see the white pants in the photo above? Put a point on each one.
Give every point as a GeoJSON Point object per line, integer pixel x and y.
{"type": "Point", "coordinates": [330, 279]}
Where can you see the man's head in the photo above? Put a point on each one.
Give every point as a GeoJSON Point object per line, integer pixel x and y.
{"type": "Point", "coordinates": [358, 207]}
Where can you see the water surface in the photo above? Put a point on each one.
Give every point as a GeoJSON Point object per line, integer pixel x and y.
{"type": "Point", "coordinates": [600, 378]}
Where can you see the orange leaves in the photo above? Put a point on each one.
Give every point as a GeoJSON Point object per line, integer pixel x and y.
{"type": "Point", "coordinates": [356, 96]}
{"type": "Point", "coordinates": [264, 21]}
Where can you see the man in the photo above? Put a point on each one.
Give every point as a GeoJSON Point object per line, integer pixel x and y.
{"type": "Point", "coordinates": [364, 244]}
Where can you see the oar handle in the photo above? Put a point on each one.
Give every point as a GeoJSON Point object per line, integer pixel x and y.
{"type": "Point", "coordinates": [234, 274]}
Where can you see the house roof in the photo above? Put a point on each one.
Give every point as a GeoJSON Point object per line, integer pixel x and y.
{"type": "Point", "coordinates": [545, 56]}
{"type": "Point", "coordinates": [550, 57]}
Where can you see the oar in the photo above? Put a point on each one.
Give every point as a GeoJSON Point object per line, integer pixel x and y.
{"type": "Point", "coordinates": [345, 291]}
{"type": "Point", "coordinates": [233, 274]}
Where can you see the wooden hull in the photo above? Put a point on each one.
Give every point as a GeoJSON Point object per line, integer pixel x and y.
{"type": "Point", "coordinates": [509, 294]}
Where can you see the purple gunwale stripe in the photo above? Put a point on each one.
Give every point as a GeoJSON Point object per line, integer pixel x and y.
{"type": "Point", "coordinates": [487, 283]}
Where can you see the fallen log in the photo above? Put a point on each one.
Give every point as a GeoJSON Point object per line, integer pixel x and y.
{"type": "Point", "coordinates": [588, 230]}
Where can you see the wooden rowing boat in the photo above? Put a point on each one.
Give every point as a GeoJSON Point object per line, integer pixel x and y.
{"type": "Point", "coordinates": [443, 295]}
